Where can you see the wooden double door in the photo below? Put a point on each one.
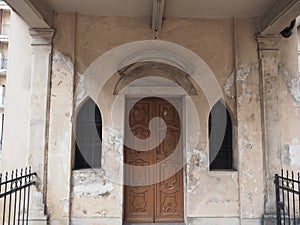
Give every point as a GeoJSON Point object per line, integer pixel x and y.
{"type": "Point", "coordinates": [153, 189]}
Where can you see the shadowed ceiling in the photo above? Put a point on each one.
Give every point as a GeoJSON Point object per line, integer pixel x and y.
{"type": "Point", "coordinates": [176, 8]}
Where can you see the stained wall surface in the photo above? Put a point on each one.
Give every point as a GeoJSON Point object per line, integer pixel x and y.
{"type": "Point", "coordinates": [221, 58]}
{"type": "Point", "coordinates": [226, 194]}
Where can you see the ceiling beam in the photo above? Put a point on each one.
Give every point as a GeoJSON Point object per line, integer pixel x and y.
{"type": "Point", "coordinates": [36, 13]}
{"type": "Point", "coordinates": [157, 14]}
{"type": "Point", "coordinates": [279, 16]}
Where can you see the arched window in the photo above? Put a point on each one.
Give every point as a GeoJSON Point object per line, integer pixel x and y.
{"type": "Point", "coordinates": [88, 136]}
{"type": "Point", "coordinates": [220, 138]}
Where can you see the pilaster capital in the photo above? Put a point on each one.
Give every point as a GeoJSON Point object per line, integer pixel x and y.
{"type": "Point", "coordinates": [268, 42]}
{"type": "Point", "coordinates": [41, 36]}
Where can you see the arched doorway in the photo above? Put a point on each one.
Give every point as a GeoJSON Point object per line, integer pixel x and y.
{"type": "Point", "coordinates": [153, 180]}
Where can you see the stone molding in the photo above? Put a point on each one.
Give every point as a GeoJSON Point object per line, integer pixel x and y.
{"type": "Point", "coordinates": [38, 118]}
{"type": "Point", "coordinates": [268, 42]}
{"type": "Point", "coordinates": [41, 36]}
{"type": "Point", "coordinates": [269, 219]}
{"type": "Point", "coordinates": [158, 69]}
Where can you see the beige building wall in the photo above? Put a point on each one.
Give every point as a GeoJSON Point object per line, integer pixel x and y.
{"type": "Point", "coordinates": [15, 149]}
{"type": "Point", "coordinates": [225, 46]}
{"type": "Point", "coordinates": [289, 99]}
{"type": "Point", "coordinates": [89, 51]}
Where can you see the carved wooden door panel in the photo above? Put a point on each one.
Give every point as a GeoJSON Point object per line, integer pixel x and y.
{"type": "Point", "coordinates": [139, 199]}
{"type": "Point", "coordinates": [169, 192]}
{"type": "Point", "coordinates": [160, 201]}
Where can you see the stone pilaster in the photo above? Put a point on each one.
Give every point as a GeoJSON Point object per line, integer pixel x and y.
{"type": "Point", "coordinates": [61, 140]}
{"type": "Point", "coordinates": [38, 118]}
{"type": "Point", "coordinates": [269, 60]}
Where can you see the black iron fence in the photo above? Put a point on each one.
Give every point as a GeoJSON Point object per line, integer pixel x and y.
{"type": "Point", "coordinates": [288, 198]}
{"type": "Point", "coordinates": [15, 195]}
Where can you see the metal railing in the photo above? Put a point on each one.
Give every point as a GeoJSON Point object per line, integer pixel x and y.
{"type": "Point", "coordinates": [288, 198]}
{"type": "Point", "coordinates": [15, 196]}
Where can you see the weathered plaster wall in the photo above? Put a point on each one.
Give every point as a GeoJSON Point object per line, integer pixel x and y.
{"type": "Point", "coordinates": [97, 193]}
{"type": "Point", "coordinates": [209, 194]}
{"type": "Point", "coordinates": [298, 41]}
{"type": "Point", "coordinates": [17, 105]}
{"type": "Point", "coordinates": [289, 98]}
{"type": "Point", "coordinates": [60, 125]}
{"type": "Point", "coordinates": [249, 123]}
{"type": "Point", "coordinates": [212, 40]}
{"type": "Point", "coordinates": [90, 196]}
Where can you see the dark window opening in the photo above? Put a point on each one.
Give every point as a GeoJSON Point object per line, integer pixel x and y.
{"type": "Point", "coordinates": [220, 138]}
{"type": "Point", "coordinates": [88, 136]}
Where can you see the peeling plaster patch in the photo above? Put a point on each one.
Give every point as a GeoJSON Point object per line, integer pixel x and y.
{"type": "Point", "coordinates": [65, 204]}
{"type": "Point", "coordinates": [214, 201]}
{"type": "Point", "coordinates": [197, 163]}
{"type": "Point", "coordinates": [246, 143]}
{"type": "Point", "coordinates": [228, 86]}
{"type": "Point", "coordinates": [286, 154]}
{"type": "Point", "coordinates": [65, 62]}
{"type": "Point", "coordinates": [243, 72]}
{"type": "Point", "coordinates": [293, 84]}
{"type": "Point", "coordinates": [247, 174]}
{"type": "Point", "coordinates": [89, 183]}
{"type": "Point", "coordinates": [102, 213]}
{"type": "Point", "coordinates": [234, 176]}
{"type": "Point", "coordinates": [113, 139]}
{"type": "Point", "coordinates": [80, 92]}
{"type": "Point", "coordinates": [193, 188]}
{"type": "Point", "coordinates": [250, 195]}
{"type": "Point", "coordinates": [291, 154]}
{"type": "Point", "coordinates": [249, 213]}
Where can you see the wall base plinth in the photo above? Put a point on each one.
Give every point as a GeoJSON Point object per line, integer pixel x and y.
{"type": "Point", "coordinates": [38, 220]}
{"type": "Point", "coordinates": [269, 219]}
{"type": "Point", "coordinates": [93, 221]}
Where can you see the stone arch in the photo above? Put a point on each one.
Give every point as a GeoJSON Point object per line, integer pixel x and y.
{"type": "Point", "coordinates": [147, 69]}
